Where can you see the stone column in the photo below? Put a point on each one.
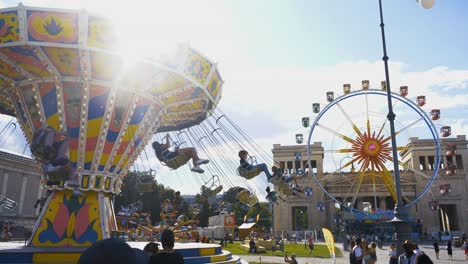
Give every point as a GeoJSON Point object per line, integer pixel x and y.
{"type": "Point", "coordinates": [22, 194]}
{"type": "Point", "coordinates": [4, 183]}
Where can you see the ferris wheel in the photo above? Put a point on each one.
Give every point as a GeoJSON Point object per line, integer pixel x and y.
{"type": "Point", "coordinates": [357, 151]}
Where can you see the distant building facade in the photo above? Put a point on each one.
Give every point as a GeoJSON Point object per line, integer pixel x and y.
{"type": "Point", "coordinates": [19, 181]}
{"type": "Point", "coordinates": [451, 214]}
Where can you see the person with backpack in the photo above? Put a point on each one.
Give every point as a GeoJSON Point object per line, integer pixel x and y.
{"type": "Point", "coordinates": [356, 255]}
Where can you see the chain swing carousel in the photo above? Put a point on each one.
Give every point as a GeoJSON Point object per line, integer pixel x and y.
{"type": "Point", "coordinates": [59, 72]}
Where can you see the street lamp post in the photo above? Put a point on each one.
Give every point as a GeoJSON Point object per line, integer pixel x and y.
{"type": "Point", "coordinates": [400, 221]}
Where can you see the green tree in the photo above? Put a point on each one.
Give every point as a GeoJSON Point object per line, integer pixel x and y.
{"type": "Point", "coordinates": [263, 209]}
{"type": "Point", "coordinates": [151, 200]}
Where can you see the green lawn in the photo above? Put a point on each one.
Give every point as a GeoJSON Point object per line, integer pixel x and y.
{"type": "Point", "coordinates": [320, 251]}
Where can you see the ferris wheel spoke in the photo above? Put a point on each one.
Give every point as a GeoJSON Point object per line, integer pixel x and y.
{"type": "Point", "coordinates": [385, 120]}
{"type": "Point", "coordinates": [361, 173]}
{"type": "Point", "coordinates": [415, 171]}
{"type": "Point", "coordinates": [339, 150]}
{"type": "Point", "coordinates": [373, 183]}
{"type": "Point", "coordinates": [355, 128]}
{"type": "Point", "coordinates": [349, 163]}
{"type": "Point", "coordinates": [336, 133]}
{"type": "Point", "coordinates": [425, 176]}
{"type": "Point", "coordinates": [403, 129]}
{"type": "Point", "coordinates": [387, 179]}
{"type": "Point", "coordinates": [348, 194]}
{"type": "Point", "coordinates": [367, 115]}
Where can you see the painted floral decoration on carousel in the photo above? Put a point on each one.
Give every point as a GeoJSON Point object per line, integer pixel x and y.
{"type": "Point", "coordinates": [81, 230]}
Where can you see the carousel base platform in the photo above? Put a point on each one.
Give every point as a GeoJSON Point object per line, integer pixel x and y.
{"type": "Point", "coordinates": [193, 253]}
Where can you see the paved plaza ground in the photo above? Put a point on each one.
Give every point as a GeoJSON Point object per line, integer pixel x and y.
{"type": "Point", "coordinates": [382, 257]}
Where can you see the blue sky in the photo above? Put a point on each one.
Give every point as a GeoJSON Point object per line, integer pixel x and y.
{"type": "Point", "coordinates": [277, 57]}
{"type": "Point", "coordinates": [322, 33]}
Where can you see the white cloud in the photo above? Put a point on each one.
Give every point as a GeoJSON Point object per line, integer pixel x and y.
{"type": "Point", "coordinates": [267, 101]}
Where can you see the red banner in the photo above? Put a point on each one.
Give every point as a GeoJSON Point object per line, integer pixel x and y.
{"type": "Point", "coordinates": [230, 220]}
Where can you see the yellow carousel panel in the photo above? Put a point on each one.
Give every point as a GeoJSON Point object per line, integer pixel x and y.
{"type": "Point", "coordinates": [9, 30]}
{"type": "Point", "coordinates": [191, 93]}
{"type": "Point", "coordinates": [214, 85]}
{"type": "Point", "coordinates": [197, 67]}
{"type": "Point", "coordinates": [101, 33]}
{"type": "Point", "coordinates": [65, 60]}
{"type": "Point", "coordinates": [57, 27]}
{"type": "Point", "coordinates": [177, 118]}
{"type": "Point", "coordinates": [166, 82]}
{"type": "Point", "coordinates": [194, 106]}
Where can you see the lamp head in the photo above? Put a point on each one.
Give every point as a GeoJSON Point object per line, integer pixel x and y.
{"type": "Point", "coordinates": [426, 4]}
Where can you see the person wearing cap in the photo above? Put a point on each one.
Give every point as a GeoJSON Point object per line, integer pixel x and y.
{"type": "Point", "coordinates": [168, 255]}
{"type": "Point", "coordinates": [408, 257]}
{"type": "Point", "coordinates": [292, 260]}
{"type": "Point", "coordinates": [112, 250]}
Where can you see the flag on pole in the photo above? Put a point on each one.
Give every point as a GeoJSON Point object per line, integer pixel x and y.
{"type": "Point", "coordinates": [330, 242]}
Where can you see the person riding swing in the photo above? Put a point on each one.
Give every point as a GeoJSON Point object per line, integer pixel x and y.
{"type": "Point", "coordinates": [176, 158]}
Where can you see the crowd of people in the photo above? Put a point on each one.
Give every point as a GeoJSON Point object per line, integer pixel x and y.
{"type": "Point", "coordinates": [361, 252]}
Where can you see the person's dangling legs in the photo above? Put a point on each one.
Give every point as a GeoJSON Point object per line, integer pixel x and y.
{"type": "Point", "coordinates": [196, 161]}
{"type": "Point", "coordinates": [73, 181]}
{"type": "Point", "coordinates": [263, 167]}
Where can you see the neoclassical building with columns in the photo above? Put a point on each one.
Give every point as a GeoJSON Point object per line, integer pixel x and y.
{"type": "Point", "coordinates": [449, 210]}
{"type": "Point", "coordinates": [20, 178]}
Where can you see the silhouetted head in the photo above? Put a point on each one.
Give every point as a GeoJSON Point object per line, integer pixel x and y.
{"type": "Point", "coordinates": [243, 154]}
{"type": "Point", "coordinates": [167, 239]}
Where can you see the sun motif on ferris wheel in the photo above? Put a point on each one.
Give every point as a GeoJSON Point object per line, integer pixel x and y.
{"type": "Point", "coordinates": [371, 149]}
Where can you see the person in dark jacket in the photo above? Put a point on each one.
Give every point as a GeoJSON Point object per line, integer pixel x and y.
{"type": "Point", "coordinates": [449, 249]}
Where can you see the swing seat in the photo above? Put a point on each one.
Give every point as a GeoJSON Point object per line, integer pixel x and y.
{"type": "Point", "coordinates": [248, 174]}
{"type": "Point", "coordinates": [143, 187]}
{"type": "Point", "coordinates": [245, 197]}
{"type": "Point", "coordinates": [177, 161]}
{"type": "Point", "coordinates": [217, 190]}
{"type": "Point", "coordinates": [282, 187]}
{"type": "Point", "coordinates": [62, 174]}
